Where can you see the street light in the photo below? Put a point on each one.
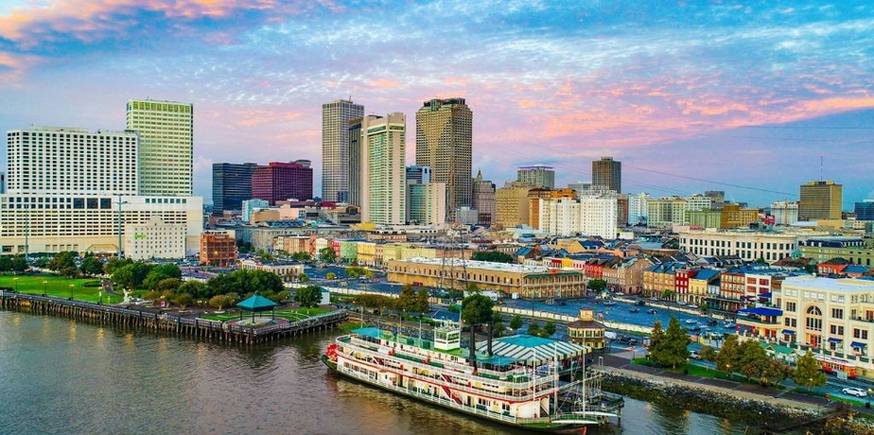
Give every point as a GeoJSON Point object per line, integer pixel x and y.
{"type": "Point", "coordinates": [71, 291]}
{"type": "Point", "coordinates": [16, 283]}
{"type": "Point", "coordinates": [44, 282]}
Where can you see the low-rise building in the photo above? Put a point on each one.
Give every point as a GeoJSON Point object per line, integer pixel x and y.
{"type": "Point", "coordinates": [659, 280]}
{"type": "Point", "coordinates": [218, 248]}
{"type": "Point", "coordinates": [154, 239]}
{"type": "Point", "coordinates": [853, 249]}
{"type": "Point", "coordinates": [626, 275]}
{"type": "Point", "coordinates": [528, 281]}
{"type": "Point", "coordinates": [836, 315]}
{"type": "Point", "coordinates": [286, 270]}
{"type": "Point", "coordinates": [587, 331]}
{"type": "Point", "coordinates": [770, 246]}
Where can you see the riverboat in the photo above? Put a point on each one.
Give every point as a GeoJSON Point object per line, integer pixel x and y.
{"type": "Point", "coordinates": [523, 381]}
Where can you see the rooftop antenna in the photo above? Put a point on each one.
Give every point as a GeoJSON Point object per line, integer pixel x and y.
{"type": "Point", "coordinates": [820, 169]}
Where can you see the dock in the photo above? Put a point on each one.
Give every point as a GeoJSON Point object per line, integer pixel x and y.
{"type": "Point", "coordinates": [166, 323]}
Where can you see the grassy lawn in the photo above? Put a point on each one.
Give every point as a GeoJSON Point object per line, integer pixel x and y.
{"type": "Point", "coordinates": [695, 370]}
{"type": "Point", "coordinates": [290, 314]}
{"type": "Point", "coordinates": [58, 286]}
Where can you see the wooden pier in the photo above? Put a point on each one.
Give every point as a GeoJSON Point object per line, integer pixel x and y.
{"type": "Point", "coordinates": [166, 323]}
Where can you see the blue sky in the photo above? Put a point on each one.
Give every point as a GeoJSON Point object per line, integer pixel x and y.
{"type": "Point", "coordinates": [679, 91]}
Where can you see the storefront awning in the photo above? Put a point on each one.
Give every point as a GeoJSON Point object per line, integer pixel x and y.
{"type": "Point", "coordinates": [834, 340]}
{"type": "Point", "coordinates": [857, 344]}
{"type": "Point", "coordinates": [788, 331]}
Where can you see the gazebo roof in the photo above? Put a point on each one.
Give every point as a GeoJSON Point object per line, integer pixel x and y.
{"type": "Point", "coordinates": [256, 302]}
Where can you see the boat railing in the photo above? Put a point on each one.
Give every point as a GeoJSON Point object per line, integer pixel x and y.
{"type": "Point", "coordinates": [538, 384]}
{"type": "Point", "coordinates": [451, 403]}
{"type": "Point", "coordinates": [461, 368]}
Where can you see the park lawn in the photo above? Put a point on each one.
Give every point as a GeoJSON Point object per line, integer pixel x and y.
{"type": "Point", "coordinates": [290, 314]}
{"type": "Point", "coordinates": [59, 287]}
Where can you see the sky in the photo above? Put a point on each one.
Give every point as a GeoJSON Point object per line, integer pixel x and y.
{"type": "Point", "coordinates": [690, 96]}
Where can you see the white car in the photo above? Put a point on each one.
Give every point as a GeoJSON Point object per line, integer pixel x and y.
{"type": "Point", "coordinates": [694, 355]}
{"type": "Point", "coordinates": [853, 391]}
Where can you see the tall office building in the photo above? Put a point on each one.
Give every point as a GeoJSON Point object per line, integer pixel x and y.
{"type": "Point", "coordinates": [336, 118]}
{"type": "Point", "coordinates": [231, 185]}
{"type": "Point", "coordinates": [536, 176]}
{"type": "Point", "coordinates": [71, 189]}
{"type": "Point", "coordinates": [353, 161]}
{"type": "Point", "coordinates": [166, 148]}
{"type": "Point", "coordinates": [385, 143]}
{"type": "Point", "coordinates": [279, 181]}
{"type": "Point", "coordinates": [418, 174]}
{"type": "Point", "coordinates": [607, 173]}
{"type": "Point", "coordinates": [820, 199]}
{"type": "Point", "coordinates": [426, 203]}
{"type": "Point", "coordinates": [511, 205]}
{"type": "Point", "coordinates": [865, 210]}
{"type": "Point", "coordinates": [484, 199]}
{"type": "Point", "coordinates": [444, 142]}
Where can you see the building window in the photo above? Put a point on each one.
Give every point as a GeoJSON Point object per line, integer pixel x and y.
{"type": "Point", "coordinates": [837, 313]}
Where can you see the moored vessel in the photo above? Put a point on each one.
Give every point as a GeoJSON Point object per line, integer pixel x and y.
{"type": "Point", "coordinates": [521, 380]}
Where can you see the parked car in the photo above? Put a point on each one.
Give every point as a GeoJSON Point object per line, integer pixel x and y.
{"type": "Point", "coordinates": [853, 391]}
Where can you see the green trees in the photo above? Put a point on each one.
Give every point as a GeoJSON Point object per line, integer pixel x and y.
{"type": "Point", "coordinates": [549, 329]}
{"type": "Point", "coordinates": [597, 285]}
{"type": "Point", "coordinates": [161, 272]}
{"type": "Point", "coordinates": [327, 255]}
{"type": "Point", "coordinates": [751, 360]}
{"type": "Point", "coordinates": [495, 256]}
{"type": "Point", "coordinates": [708, 353]}
{"type": "Point", "coordinates": [668, 349]}
{"type": "Point", "coordinates": [219, 302]}
{"type": "Point", "coordinates": [309, 296]}
{"type": "Point", "coordinates": [130, 276]}
{"type": "Point", "coordinates": [19, 263]}
{"type": "Point", "coordinates": [114, 263]}
{"type": "Point", "coordinates": [5, 263]}
{"type": "Point", "coordinates": [245, 282]}
{"type": "Point", "coordinates": [91, 265]}
{"type": "Point", "coordinates": [65, 264]}
{"type": "Point", "coordinates": [411, 301]}
{"type": "Point", "coordinates": [372, 301]}
{"type": "Point", "coordinates": [476, 309]}
{"type": "Point", "coordinates": [534, 329]}
{"type": "Point", "coordinates": [808, 372]}
{"type": "Point", "coordinates": [303, 257]}
{"type": "Point", "coordinates": [516, 322]}
{"type": "Point", "coordinates": [196, 289]}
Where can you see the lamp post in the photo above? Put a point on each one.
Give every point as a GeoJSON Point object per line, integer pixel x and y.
{"type": "Point", "coordinates": [44, 282]}
{"type": "Point", "coordinates": [71, 291]}
{"type": "Point", "coordinates": [120, 203]}
{"type": "Point", "coordinates": [16, 283]}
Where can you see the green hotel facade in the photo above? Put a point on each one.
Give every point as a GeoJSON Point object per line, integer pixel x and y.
{"type": "Point", "coordinates": [166, 146]}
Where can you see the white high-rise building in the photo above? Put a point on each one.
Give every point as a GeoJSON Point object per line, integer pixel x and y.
{"type": "Point", "coordinates": [785, 212]}
{"type": "Point", "coordinates": [385, 169]}
{"type": "Point", "coordinates": [598, 216]}
{"type": "Point", "coordinates": [559, 216]}
{"type": "Point", "coordinates": [637, 212]}
{"type": "Point", "coordinates": [62, 161]}
{"type": "Point", "coordinates": [589, 216]}
{"type": "Point", "coordinates": [336, 118]}
{"type": "Point", "coordinates": [70, 189]}
{"type": "Point", "coordinates": [166, 148]}
{"type": "Point", "coordinates": [699, 202]}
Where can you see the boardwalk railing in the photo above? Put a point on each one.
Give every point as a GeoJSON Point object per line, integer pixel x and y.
{"type": "Point", "coordinates": [166, 322]}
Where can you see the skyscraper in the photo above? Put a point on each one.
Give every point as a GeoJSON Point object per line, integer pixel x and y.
{"type": "Point", "coordinates": [418, 174]}
{"type": "Point", "coordinates": [353, 161]}
{"type": "Point", "coordinates": [385, 143]}
{"type": "Point", "coordinates": [280, 181]}
{"type": "Point", "coordinates": [166, 149]}
{"type": "Point", "coordinates": [820, 199]}
{"type": "Point", "coordinates": [336, 117]}
{"type": "Point", "coordinates": [484, 199]}
{"type": "Point", "coordinates": [537, 176]}
{"type": "Point", "coordinates": [231, 185]}
{"type": "Point", "coordinates": [608, 173]}
{"type": "Point", "coordinates": [444, 141]}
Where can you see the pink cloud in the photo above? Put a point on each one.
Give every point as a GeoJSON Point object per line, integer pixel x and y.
{"type": "Point", "coordinates": [93, 20]}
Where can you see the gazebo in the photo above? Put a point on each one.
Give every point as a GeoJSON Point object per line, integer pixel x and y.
{"type": "Point", "coordinates": [256, 303]}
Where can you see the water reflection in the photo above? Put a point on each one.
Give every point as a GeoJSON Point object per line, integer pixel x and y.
{"type": "Point", "coordinates": [77, 378]}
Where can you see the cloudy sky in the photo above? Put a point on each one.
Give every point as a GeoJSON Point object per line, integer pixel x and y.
{"type": "Point", "coordinates": [691, 96]}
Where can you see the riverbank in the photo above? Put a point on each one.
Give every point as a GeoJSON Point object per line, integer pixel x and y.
{"type": "Point", "coordinates": [762, 413]}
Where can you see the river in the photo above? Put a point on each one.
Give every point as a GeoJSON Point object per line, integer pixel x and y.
{"type": "Point", "coordinates": [62, 376]}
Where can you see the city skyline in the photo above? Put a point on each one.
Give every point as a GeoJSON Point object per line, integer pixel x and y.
{"type": "Point", "coordinates": [692, 83]}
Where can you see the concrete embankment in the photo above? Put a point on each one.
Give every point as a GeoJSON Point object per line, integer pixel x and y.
{"type": "Point", "coordinates": [764, 414]}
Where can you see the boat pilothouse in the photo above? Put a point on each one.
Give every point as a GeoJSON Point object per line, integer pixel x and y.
{"type": "Point", "coordinates": [525, 381]}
